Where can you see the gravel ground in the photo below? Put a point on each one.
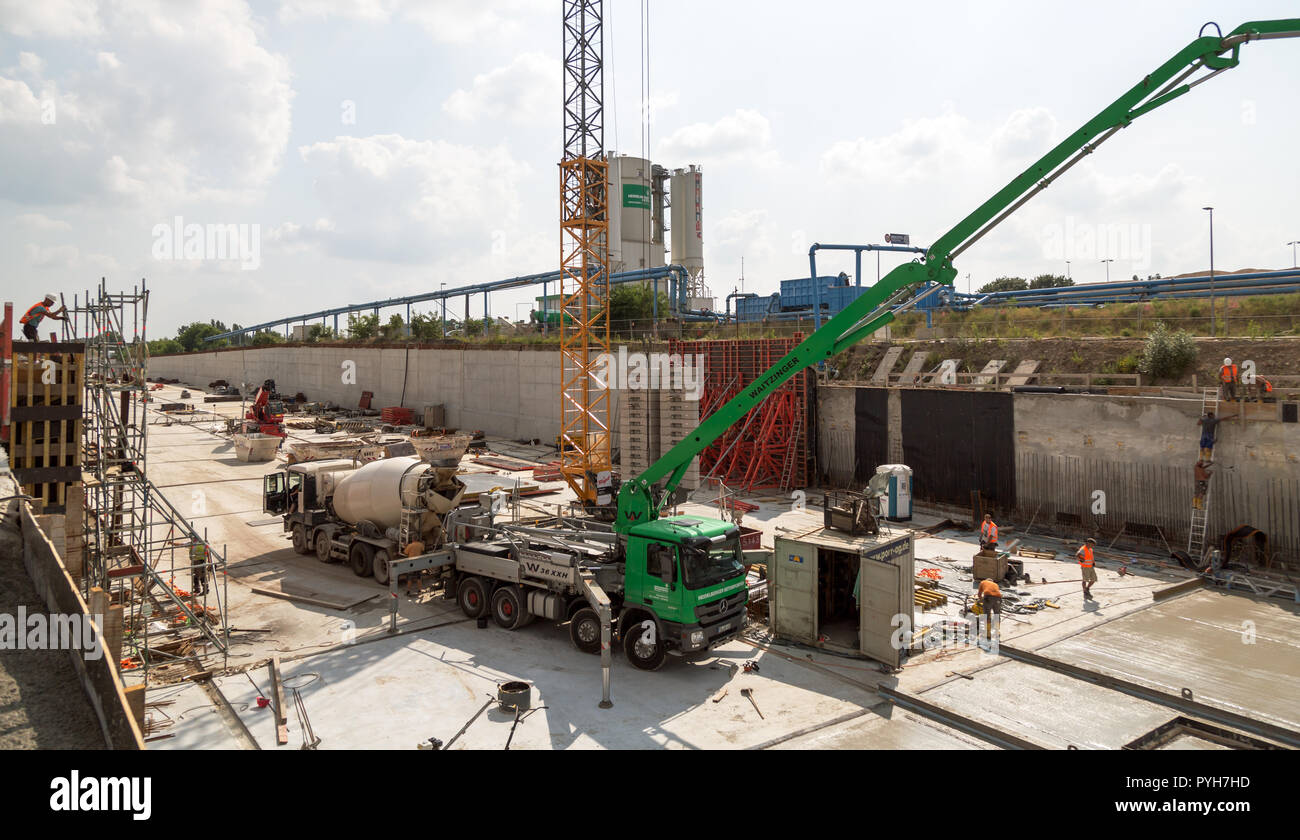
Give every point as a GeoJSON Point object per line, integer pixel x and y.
{"type": "Point", "coordinates": [42, 703]}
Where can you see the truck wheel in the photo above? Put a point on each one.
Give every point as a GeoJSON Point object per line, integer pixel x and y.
{"type": "Point", "coordinates": [300, 540]}
{"type": "Point", "coordinates": [379, 565]}
{"type": "Point", "coordinates": [471, 597]}
{"type": "Point", "coordinates": [508, 610]}
{"type": "Point", "coordinates": [584, 630]}
{"type": "Point", "coordinates": [647, 656]}
{"type": "Point", "coordinates": [323, 547]}
{"type": "Point", "coordinates": [359, 556]}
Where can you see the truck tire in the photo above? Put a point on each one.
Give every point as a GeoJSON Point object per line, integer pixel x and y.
{"type": "Point", "coordinates": [300, 540]}
{"type": "Point", "coordinates": [471, 597]}
{"type": "Point", "coordinates": [584, 630]}
{"type": "Point", "coordinates": [323, 546]}
{"type": "Point", "coordinates": [359, 557]}
{"type": "Point", "coordinates": [647, 657]}
{"type": "Point", "coordinates": [379, 567]}
{"type": "Point", "coordinates": [508, 609]}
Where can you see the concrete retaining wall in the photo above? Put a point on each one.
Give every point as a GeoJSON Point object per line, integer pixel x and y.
{"type": "Point", "coordinates": [1139, 452]}
{"type": "Point", "coordinates": [99, 677]}
{"type": "Point", "coordinates": [508, 392]}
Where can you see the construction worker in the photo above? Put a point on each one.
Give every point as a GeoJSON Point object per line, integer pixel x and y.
{"type": "Point", "coordinates": [1263, 389]}
{"type": "Point", "coordinates": [1202, 473]}
{"type": "Point", "coordinates": [32, 318]}
{"type": "Point", "coordinates": [1229, 378]}
{"type": "Point", "coordinates": [1209, 434]}
{"type": "Point", "coordinates": [991, 597]}
{"type": "Point", "coordinates": [988, 533]}
{"type": "Point", "coordinates": [198, 569]}
{"type": "Point", "coordinates": [1086, 566]}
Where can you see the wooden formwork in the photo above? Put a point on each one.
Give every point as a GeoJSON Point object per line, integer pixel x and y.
{"type": "Point", "coordinates": [45, 415]}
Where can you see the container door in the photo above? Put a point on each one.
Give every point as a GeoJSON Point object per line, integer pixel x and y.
{"type": "Point", "coordinates": [792, 591]}
{"type": "Point", "coordinates": [878, 601]}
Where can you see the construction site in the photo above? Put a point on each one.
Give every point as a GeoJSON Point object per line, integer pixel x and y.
{"type": "Point", "coordinates": [833, 517]}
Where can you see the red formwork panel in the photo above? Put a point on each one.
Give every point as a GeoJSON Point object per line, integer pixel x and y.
{"type": "Point", "coordinates": [768, 447]}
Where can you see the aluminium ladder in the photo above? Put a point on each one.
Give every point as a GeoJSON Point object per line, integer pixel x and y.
{"type": "Point", "coordinates": [1200, 516]}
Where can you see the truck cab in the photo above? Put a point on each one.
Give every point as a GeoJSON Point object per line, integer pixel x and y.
{"type": "Point", "coordinates": [684, 587]}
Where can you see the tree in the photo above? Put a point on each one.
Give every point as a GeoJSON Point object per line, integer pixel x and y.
{"type": "Point", "coordinates": [394, 329]}
{"type": "Point", "coordinates": [320, 332]}
{"type": "Point", "coordinates": [635, 302]}
{"type": "Point", "coordinates": [163, 346]}
{"type": "Point", "coordinates": [1005, 284]}
{"type": "Point", "coordinates": [1051, 281]}
{"type": "Point", "coordinates": [191, 336]}
{"type": "Point", "coordinates": [426, 327]}
{"type": "Point", "coordinates": [1167, 353]}
{"type": "Point", "coordinates": [264, 338]}
{"type": "Point", "coordinates": [361, 327]}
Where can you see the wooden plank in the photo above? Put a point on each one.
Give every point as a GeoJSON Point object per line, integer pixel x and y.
{"type": "Point", "coordinates": [1021, 375]}
{"type": "Point", "coordinates": [277, 697]}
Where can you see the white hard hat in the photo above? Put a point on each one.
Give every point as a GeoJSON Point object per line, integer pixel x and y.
{"type": "Point", "coordinates": [1227, 361]}
{"type": "Point", "coordinates": [50, 296]}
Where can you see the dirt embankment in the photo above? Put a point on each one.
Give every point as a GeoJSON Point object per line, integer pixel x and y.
{"type": "Point", "coordinates": [42, 703]}
{"type": "Point", "coordinates": [1277, 356]}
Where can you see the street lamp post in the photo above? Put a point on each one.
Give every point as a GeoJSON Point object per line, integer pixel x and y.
{"type": "Point", "coordinates": [443, 288]}
{"type": "Point", "coordinates": [1213, 328]}
{"type": "Point", "coordinates": [1067, 269]}
{"type": "Point", "coordinates": [1294, 264]}
{"type": "Point", "coordinates": [1108, 262]}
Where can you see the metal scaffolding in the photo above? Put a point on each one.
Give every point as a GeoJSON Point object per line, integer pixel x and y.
{"type": "Point", "coordinates": [136, 540]}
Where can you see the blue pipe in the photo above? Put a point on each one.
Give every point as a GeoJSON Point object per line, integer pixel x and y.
{"type": "Point", "coordinates": [544, 278]}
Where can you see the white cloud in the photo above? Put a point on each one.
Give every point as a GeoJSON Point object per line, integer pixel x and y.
{"type": "Point", "coordinates": [393, 199]}
{"type": "Point", "coordinates": [51, 18]}
{"type": "Point", "coordinates": [187, 105]}
{"type": "Point", "coordinates": [41, 222]}
{"type": "Point", "coordinates": [742, 136]}
{"type": "Point", "coordinates": [527, 90]}
{"type": "Point", "coordinates": [445, 21]}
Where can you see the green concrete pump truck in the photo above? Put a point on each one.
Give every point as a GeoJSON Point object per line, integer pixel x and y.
{"type": "Point", "coordinates": [676, 583]}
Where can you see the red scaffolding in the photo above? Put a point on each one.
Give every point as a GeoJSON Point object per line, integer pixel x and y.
{"type": "Point", "coordinates": [768, 447]}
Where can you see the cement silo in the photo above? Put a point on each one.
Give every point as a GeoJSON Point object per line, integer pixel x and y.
{"type": "Point", "coordinates": [686, 195]}
{"type": "Point", "coordinates": [635, 228]}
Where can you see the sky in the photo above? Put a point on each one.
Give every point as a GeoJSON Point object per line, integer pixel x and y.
{"type": "Point", "coordinates": [364, 149]}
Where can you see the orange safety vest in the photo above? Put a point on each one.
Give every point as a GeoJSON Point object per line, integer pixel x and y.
{"type": "Point", "coordinates": [1086, 559]}
{"type": "Point", "coordinates": [1268, 386]}
{"type": "Point", "coordinates": [35, 306]}
{"type": "Point", "coordinates": [1228, 373]}
{"type": "Point", "coordinates": [989, 531]}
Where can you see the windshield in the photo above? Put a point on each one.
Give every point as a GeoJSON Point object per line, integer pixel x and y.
{"type": "Point", "coordinates": [702, 568]}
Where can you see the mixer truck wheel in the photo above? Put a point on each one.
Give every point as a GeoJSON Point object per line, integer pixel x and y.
{"type": "Point", "coordinates": [380, 567]}
{"type": "Point", "coordinates": [508, 610]}
{"type": "Point", "coordinates": [300, 540]}
{"type": "Point", "coordinates": [642, 644]}
{"type": "Point", "coordinates": [323, 546]}
{"type": "Point", "coordinates": [359, 556]}
{"type": "Point", "coordinates": [584, 630]}
{"type": "Point", "coordinates": [470, 596]}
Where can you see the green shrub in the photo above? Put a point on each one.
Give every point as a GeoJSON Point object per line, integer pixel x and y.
{"type": "Point", "coordinates": [1167, 353]}
{"type": "Point", "coordinates": [1127, 364]}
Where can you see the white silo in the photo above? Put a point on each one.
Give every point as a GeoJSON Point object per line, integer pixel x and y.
{"type": "Point", "coordinates": [686, 194]}
{"type": "Point", "coordinates": [631, 216]}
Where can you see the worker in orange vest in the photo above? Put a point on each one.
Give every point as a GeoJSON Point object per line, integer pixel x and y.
{"type": "Point", "coordinates": [991, 596]}
{"type": "Point", "coordinates": [988, 533]}
{"type": "Point", "coordinates": [1228, 377]}
{"type": "Point", "coordinates": [1263, 389]}
{"type": "Point", "coordinates": [32, 317]}
{"type": "Point", "coordinates": [1086, 566]}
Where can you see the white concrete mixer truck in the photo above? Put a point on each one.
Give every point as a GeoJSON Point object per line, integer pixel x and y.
{"type": "Point", "coordinates": [365, 514]}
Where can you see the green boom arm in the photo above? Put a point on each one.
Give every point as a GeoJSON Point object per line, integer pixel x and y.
{"type": "Point", "coordinates": [637, 501]}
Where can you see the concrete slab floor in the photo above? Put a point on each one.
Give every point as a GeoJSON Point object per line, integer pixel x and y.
{"type": "Point", "coordinates": [393, 692]}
